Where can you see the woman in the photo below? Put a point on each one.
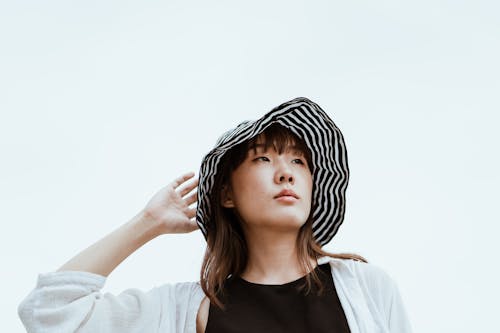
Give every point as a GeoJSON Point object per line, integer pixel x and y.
{"type": "Point", "coordinates": [271, 193]}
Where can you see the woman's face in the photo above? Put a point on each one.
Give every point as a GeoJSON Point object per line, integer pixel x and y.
{"type": "Point", "coordinates": [256, 183]}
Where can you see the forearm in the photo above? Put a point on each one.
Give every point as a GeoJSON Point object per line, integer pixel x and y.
{"type": "Point", "coordinates": [106, 254]}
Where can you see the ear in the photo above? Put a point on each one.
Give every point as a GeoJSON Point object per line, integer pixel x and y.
{"type": "Point", "coordinates": [227, 197]}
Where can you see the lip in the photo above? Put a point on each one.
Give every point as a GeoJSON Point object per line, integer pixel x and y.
{"type": "Point", "coordinates": [286, 199]}
{"type": "Point", "coordinates": [287, 194]}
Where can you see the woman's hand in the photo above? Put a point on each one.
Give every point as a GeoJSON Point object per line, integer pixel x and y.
{"type": "Point", "coordinates": [167, 212]}
{"type": "Point", "coordinates": [169, 207]}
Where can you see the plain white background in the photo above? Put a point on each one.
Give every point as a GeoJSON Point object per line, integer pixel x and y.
{"type": "Point", "coordinates": [105, 102]}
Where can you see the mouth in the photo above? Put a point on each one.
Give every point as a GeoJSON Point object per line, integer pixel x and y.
{"type": "Point", "coordinates": [287, 194]}
{"type": "Point", "coordinates": [287, 198]}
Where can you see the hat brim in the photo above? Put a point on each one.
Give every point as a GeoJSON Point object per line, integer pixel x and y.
{"type": "Point", "coordinates": [330, 167]}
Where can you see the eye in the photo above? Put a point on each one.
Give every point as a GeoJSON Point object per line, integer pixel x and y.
{"type": "Point", "coordinates": [299, 161]}
{"type": "Point", "coordinates": [262, 158]}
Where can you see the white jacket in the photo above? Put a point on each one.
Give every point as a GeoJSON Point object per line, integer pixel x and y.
{"type": "Point", "coordinates": [71, 301]}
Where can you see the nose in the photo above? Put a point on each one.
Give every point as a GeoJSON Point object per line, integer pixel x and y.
{"type": "Point", "coordinates": [284, 174]}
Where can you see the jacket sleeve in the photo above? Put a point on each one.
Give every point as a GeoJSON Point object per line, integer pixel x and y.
{"type": "Point", "coordinates": [385, 300]}
{"type": "Point", "coordinates": [71, 301]}
{"type": "Point", "coordinates": [397, 317]}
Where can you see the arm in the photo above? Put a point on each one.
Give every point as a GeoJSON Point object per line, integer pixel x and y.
{"type": "Point", "coordinates": [167, 212]}
{"type": "Point", "coordinates": [69, 299]}
{"type": "Point", "coordinates": [106, 254]}
{"type": "Point", "coordinates": [397, 317]}
{"type": "Point", "coordinates": [382, 297]}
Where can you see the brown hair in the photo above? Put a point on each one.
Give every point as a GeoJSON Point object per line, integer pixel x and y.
{"type": "Point", "coordinates": [226, 251]}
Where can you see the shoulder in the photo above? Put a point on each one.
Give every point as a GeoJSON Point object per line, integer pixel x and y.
{"type": "Point", "coordinates": [182, 291]}
{"type": "Point", "coordinates": [370, 274]}
{"type": "Point", "coordinates": [380, 290]}
{"type": "Point", "coordinates": [185, 298]}
{"type": "Point", "coordinates": [373, 280]}
{"type": "Point", "coordinates": [362, 271]}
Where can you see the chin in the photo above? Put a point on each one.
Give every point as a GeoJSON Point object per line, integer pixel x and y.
{"type": "Point", "coordinates": [290, 221]}
{"type": "Point", "coordinates": [285, 219]}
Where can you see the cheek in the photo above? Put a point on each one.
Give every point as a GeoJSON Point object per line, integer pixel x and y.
{"type": "Point", "coordinates": [309, 187]}
{"type": "Point", "coordinates": [249, 186]}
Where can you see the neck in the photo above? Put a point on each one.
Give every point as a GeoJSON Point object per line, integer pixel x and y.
{"type": "Point", "coordinates": [272, 258]}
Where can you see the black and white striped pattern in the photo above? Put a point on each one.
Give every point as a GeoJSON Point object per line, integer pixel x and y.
{"type": "Point", "coordinates": [330, 168]}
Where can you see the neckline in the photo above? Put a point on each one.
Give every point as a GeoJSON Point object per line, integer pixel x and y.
{"type": "Point", "coordinates": [291, 283]}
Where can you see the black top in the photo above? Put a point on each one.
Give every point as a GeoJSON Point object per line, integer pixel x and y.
{"type": "Point", "coordinates": [252, 307]}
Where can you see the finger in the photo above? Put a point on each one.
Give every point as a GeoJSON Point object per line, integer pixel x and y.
{"type": "Point", "coordinates": [193, 225]}
{"type": "Point", "coordinates": [192, 198]}
{"type": "Point", "coordinates": [191, 212]}
{"type": "Point", "coordinates": [188, 188]}
{"type": "Point", "coordinates": [178, 181]}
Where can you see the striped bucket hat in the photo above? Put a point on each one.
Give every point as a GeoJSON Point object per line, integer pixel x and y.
{"type": "Point", "coordinates": [330, 173]}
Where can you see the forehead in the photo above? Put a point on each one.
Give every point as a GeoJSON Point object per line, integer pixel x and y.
{"type": "Point", "coordinates": [261, 143]}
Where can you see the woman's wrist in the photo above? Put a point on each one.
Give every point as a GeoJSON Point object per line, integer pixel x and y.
{"type": "Point", "coordinates": [145, 227]}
